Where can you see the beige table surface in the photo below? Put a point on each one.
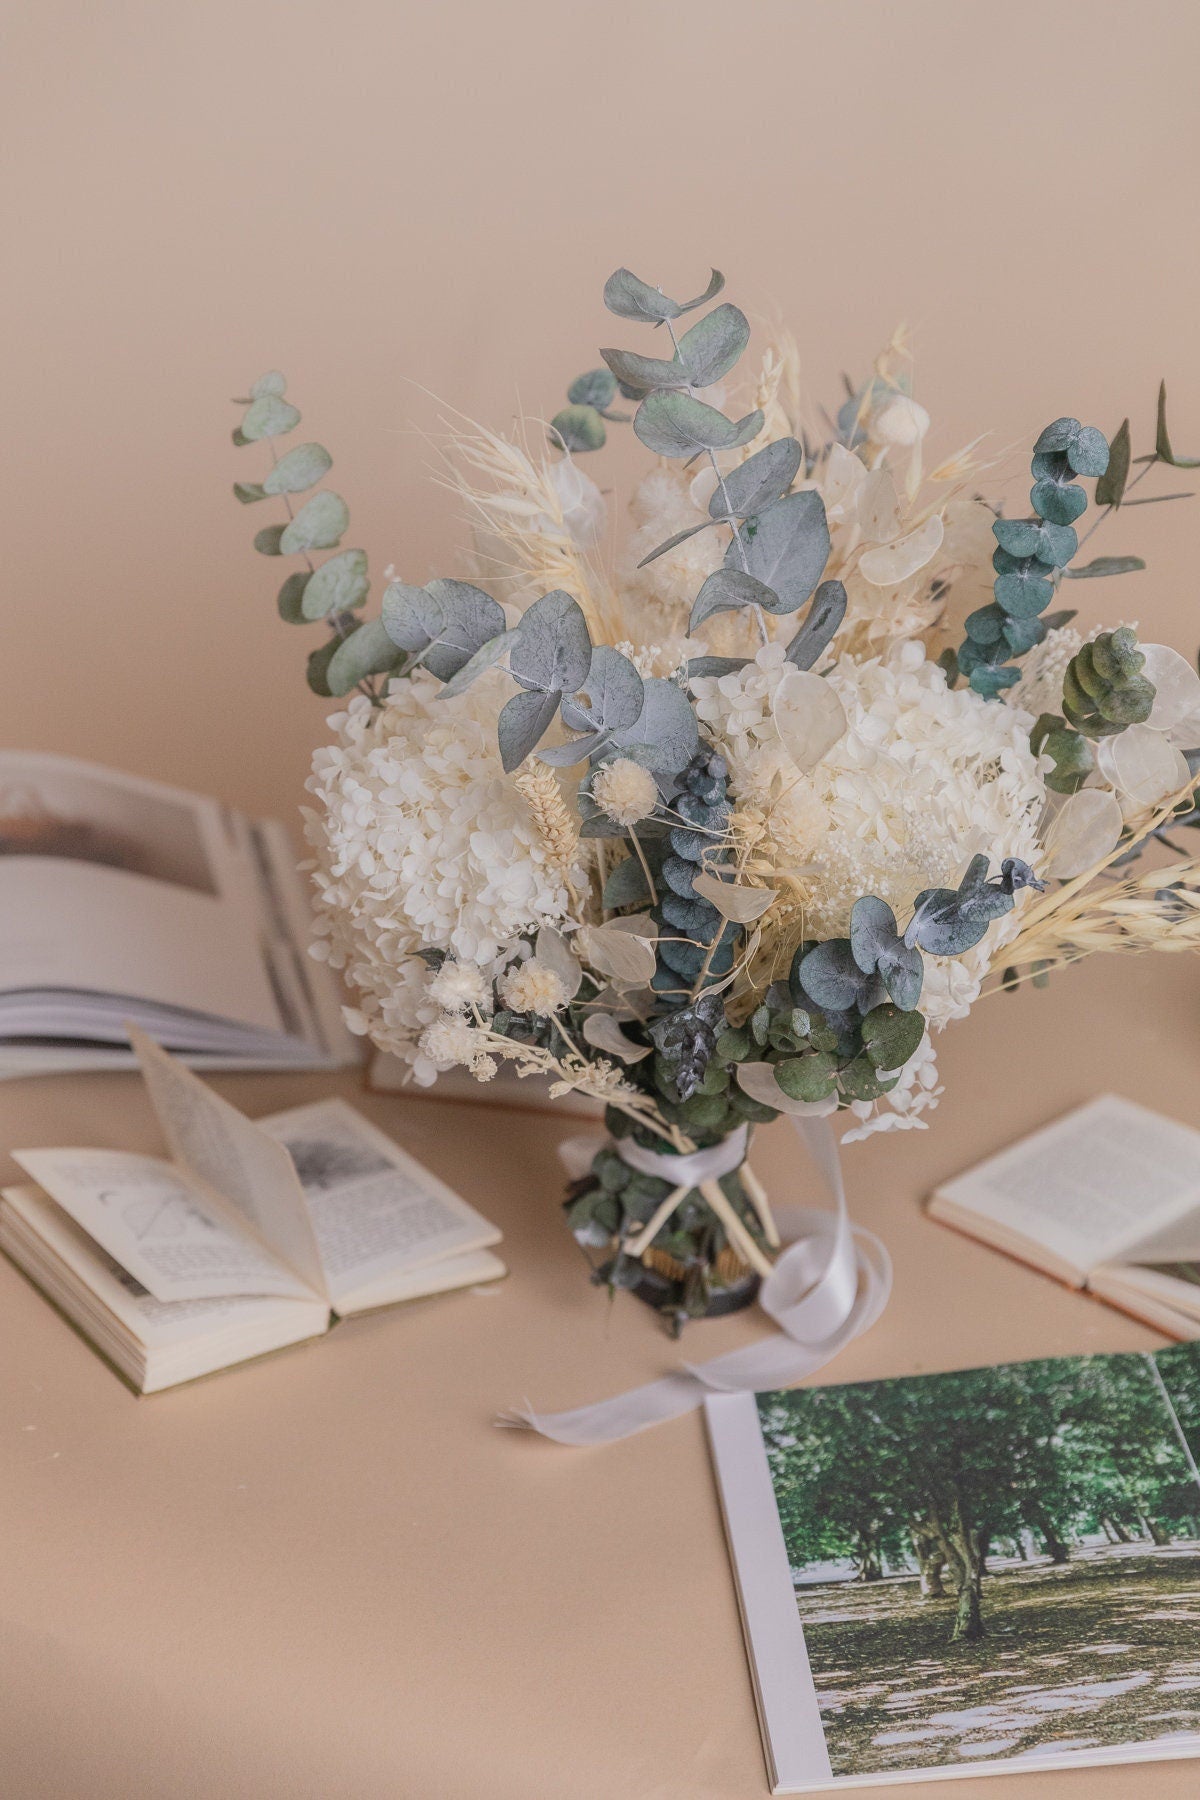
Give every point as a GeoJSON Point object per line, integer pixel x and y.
{"type": "Point", "coordinates": [328, 1574]}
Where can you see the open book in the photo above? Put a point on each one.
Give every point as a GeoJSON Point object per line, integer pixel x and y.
{"type": "Point", "coordinates": [985, 1571]}
{"type": "Point", "coordinates": [1107, 1198]}
{"type": "Point", "coordinates": [124, 899]}
{"type": "Point", "coordinates": [251, 1236]}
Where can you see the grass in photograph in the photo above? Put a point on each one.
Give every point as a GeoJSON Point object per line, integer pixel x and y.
{"type": "Point", "coordinates": [996, 1563]}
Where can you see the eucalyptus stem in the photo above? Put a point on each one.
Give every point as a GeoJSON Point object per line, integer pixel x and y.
{"type": "Point", "coordinates": [730, 519]}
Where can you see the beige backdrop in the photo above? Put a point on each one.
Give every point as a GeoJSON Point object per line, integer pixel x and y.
{"type": "Point", "coordinates": [273, 1584]}
{"type": "Point", "coordinates": [384, 197]}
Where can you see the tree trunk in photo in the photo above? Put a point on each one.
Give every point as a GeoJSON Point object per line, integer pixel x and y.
{"type": "Point", "coordinates": [962, 1551]}
{"type": "Point", "coordinates": [867, 1556]}
{"type": "Point", "coordinates": [930, 1561]}
{"type": "Point", "coordinates": [1047, 1530]}
{"type": "Point", "coordinates": [1158, 1534]}
{"type": "Point", "coordinates": [1115, 1530]}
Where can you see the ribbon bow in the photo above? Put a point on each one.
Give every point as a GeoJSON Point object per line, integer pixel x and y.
{"type": "Point", "coordinates": [829, 1284]}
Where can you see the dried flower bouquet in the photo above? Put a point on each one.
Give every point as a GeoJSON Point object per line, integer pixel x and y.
{"type": "Point", "coordinates": [730, 821]}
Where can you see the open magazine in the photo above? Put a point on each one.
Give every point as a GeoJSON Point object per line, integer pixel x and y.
{"type": "Point", "coordinates": [1106, 1198]}
{"type": "Point", "coordinates": [985, 1571]}
{"type": "Point", "coordinates": [122, 899]}
{"type": "Point", "coordinates": [248, 1236]}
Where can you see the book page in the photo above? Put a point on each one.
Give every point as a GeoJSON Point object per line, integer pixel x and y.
{"type": "Point", "coordinates": [159, 1225]}
{"type": "Point", "coordinates": [231, 1154]}
{"type": "Point", "coordinates": [374, 1208]}
{"type": "Point", "coordinates": [112, 884]}
{"type": "Point", "coordinates": [1093, 1185]}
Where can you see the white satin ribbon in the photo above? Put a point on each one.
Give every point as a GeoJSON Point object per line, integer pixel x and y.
{"type": "Point", "coordinates": [829, 1285]}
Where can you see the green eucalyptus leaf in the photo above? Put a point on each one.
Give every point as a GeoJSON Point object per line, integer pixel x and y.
{"type": "Point", "coordinates": [594, 388]}
{"type": "Point", "coordinates": [761, 479]}
{"type": "Point", "coordinates": [272, 383]}
{"type": "Point", "coordinates": [677, 424]}
{"type": "Point", "coordinates": [821, 622]}
{"type": "Point", "coordinates": [578, 428]}
{"type": "Point", "coordinates": [248, 492]}
{"type": "Point", "coordinates": [631, 298]}
{"type": "Point", "coordinates": [554, 650]}
{"type": "Point", "coordinates": [1087, 452]}
{"type": "Point", "coordinates": [640, 375]}
{"type": "Point", "coordinates": [523, 723]}
{"type": "Point", "coordinates": [729, 589]}
{"type": "Point", "coordinates": [713, 665]}
{"type": "Point", "coordinates": [367, 650]}
{"type": "Point", "coordinates": [673, 543]}
{"type": "Point", "coordinates": [318, 525]}
{"type": "Point", "coordinates": [626, 886]}
{"type": "Point", "coordinates": [787, 547]}
{"type": "Point", "coordinates": [665, 736]}
{"type": "Point", "coordinates": [614, 691]}
{"type": "Point", "coordinates": [445, 623]}
{"type": "Point", "coordinates": [891, 1035]}
{"type": "Point", "coordinates": [1060, 502]}
{"type": "Point", "coordinates": [1105, 565]}
{"type": "Point", "coordinates": [716, 282]}
{"type": "Point", "coordinates": [808, 1077]}
{"type": "Point", "coordinates": [299, 469]}
{"type": "Point", "coordinates": [1162, 437]}
{"type": "Point", "coordinates": [317, 669]}
{"type": "Point", "coordinates": [1053, 545]}
{"type": "Point", "coordinates": [486, 657]}
{"type": "Point", "coordinates": [239, 437]}
{"type": "Point", "coordinates": [709, 350]}
{"type": "Point", "coordinates": [339, 585]}
{"type": "Point", "coordinates": [1110, 488]}
{"type": "Point", "coordinates": [1025, 592]}
{"type": "Point", "coordinates": [269, 416]}
{"type": "Point", "coordinates": [291, 596]}
{"type": "Point", "coordinates": [268, 541]}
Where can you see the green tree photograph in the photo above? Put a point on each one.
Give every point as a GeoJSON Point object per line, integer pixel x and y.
{"type": "Point", "coordinates": [998, 1562]}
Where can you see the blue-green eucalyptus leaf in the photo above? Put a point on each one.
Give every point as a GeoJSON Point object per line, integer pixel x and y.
{"type": "Point", "coordinates": [469, 619]}
{"type": "Point", "coordinates": [1060, 502]}
{"type": "Point", "coordinates": [554, 650]}
{"type": "Point", "coordinates": [985, 625]}
{"type": "Point", "coordinates": [878, 948]}
{"type": "Point", "coordinates": [821, 622]}
{"type": "Point", "coordinates": [677, 424]}
{"type": "Point", "coordinates": [368, 650]}
{"type": "Point", "coordinates": [268, 541]}
{"type": "Point", "coordinates": [523, 723]}
{"type": "Point", "coordinates": [716, 282]}
{"type": "Point", "coordinates": [594, 388]}
{"type": "Point", "coordinates": [728, 590]}
{"type": "Point", "coordinates": [1105, 565]}
{"type": "Point", "coordinates": [1057, 436]}
{"type": "Point", "coordinates": [317, 669]}
{"type": "Point", "coordinates": [577, 428]}
{"type": "Point", "coordinates": [1053, 545]}
{"type": "Point", "coordinates": [318, 525]}
{"type": "Point", "coordinates": [614, 691]}
{"type": "Point", "coordinates": [339, 585]}
{"type": "Point", "coordinates": [575, 750]}
{"type": "Point", "coordinates": [711, 347]}
{"type": "Point", "coordinates": [631, 298]}
{"type": "Point", "coordinates": [626, 886]}
{"type": "Point", "coordinates": [761, 479]}
{"type": "Point", "coordinates": [714, 665]}
{"type": "Point", "coordinates": [486, 657]}
{"type": "Point", "coordinates": [248, 492]}
{"type": "Point", "coordinates": [640, 375]}
{"type": "Point", "coordinates": [673, 543]}
{"type": "Point", "coordinates": [411, 617]}
{"type": "Point", "coordinates": [787, 547]}
{"type": "Point", "coordinates": [298, 470]}
{"type": "Point", "coordinates": [664, 737]}
{"type": "Point", "coordinates": [1020, 635]}
{"type": "Point", "coordinates": [1024, 592]}
{"type": "Point", "coordinates": [831, 977]}
{"type": "Point", "coordinates": [269, 416]}
{"type": "Point", "coordinates": [1087, 452]}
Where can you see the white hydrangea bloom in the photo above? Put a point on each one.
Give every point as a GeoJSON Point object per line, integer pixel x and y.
{"type": "Point", "coordinates": [923, 778]}
{"type": "Point", "coordinates": [421, 842]}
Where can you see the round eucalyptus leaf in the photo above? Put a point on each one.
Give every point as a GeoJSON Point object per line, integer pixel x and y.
{"type": "Point", "coordinates": [631, 298]}
{"type": "Point", "coordinates": [368, 650]}
{"type": "Point", "coordinates": [761, 479]}
{"type": "Point", "coordinates": [664, 737]}
{"type": "Point", "coordinates": [523, 723]}
{"type": "Point", "coordinates": [1061, 503]}
{"type": "Point", "coordinates": [269, 416]}
{"type": "Point", "coordinates": [1087, 453]}
{"type": "Point", "coordinates": [677, 424]}
{"type": "Point", "coordinates": [268, 541]}
{"type": "Point", "coordinates": [1057, 436]}
{"type": "Point", "coordinates": [709, 350]}
{"type": "Point", "coordinates": [577, 428]}
{"type": "Point", "coordinates": [596, 388]}
{"type": "Point", "coordinates": [299, 469]}
{"type": "Point", "coordinates": [729, 589]}
{"type": "Point", "coordinates": [614, 692]}
{"type": "Point", "coordinates": [1023, 593]}
{"type": "Point", "coordinates": [317, 670]}
{"type": "Point", "coordinates": [339, 585]}
{"type": "Point", "coordinates": [248, 492]}
{"type": "Point", "coordinates": [787, 547]}
{"type": "Point", "coordinates": [291, 596]}
{"type": "Point", "coordinates": [554, 650]}
{"type": "Point", "coordinates": [318, 525]}
{"type": "Point", "coordinates": [640, 375]}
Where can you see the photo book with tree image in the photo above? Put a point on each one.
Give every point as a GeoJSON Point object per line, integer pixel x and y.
{"type": "Point", "coordinates": [123, 899]}
{"type": "Point", "coordinates": [251, 1236]}
{"type": "Point", "coordinates": [1106, 1199]}
{"type": "Point", "coordinates": [989, 1570]}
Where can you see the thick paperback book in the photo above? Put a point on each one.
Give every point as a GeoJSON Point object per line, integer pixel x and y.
{"type": "Point", "coordinates": [979, 1571]}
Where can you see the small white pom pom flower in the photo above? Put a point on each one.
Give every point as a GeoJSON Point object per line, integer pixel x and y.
{"type": "Point", "coordinates": [449, 1040]}
{"type": "Point", "coordinates": [458, 985]}
{"type": "Point", "coordinates": [533, 987]}
{"type": "Point", "coordinates": [624, 791]}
